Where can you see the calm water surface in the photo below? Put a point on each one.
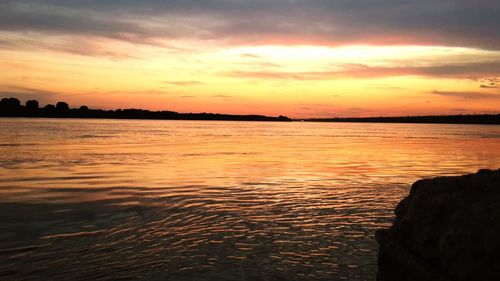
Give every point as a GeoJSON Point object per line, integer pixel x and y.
{"type": "Point", "coordinates": [187, 200]}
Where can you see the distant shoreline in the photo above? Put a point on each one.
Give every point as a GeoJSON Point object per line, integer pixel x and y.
{"type": "Point", "coordinates": [486, 119]}
{"type": "Point", "coordinates": [478, 119]}
{"type": "Point", "coordinates": [243, 119]}
{"type": "Point", "coordinates": [11, 107]}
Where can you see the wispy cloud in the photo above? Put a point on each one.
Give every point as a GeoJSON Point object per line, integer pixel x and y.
{"type": "Point", "coordinates": [252, 56]}
{"type": "Point", "coordinates": [490, 83]}
{"type": "Point", "coordinates": [221, 96]}
{"type": "Point", "coordinates": [465, 95]}
{"type": "Point", "coordinates": [458, 70]}
{"type": "Point", "coordinates": [184, 83]}
{"type": "Point", "coordinates": [491, 86]}
{"type": "Point", "coordinates": [90, 46]}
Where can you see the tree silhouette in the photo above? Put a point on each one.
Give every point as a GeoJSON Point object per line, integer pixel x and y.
{"type": "Point", "coordinates": [32, 105]}
{"type": "Point", "coordinates": [62, 106]}
{"type": "Point", "coordinates": [11, 106]}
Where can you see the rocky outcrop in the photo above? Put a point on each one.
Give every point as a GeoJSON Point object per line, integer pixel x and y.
{"type": "Point", "coordinates": [447, 228]}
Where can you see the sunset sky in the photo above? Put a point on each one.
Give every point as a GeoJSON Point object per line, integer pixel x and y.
{"type": "Point", "coordinates": [300, 58]}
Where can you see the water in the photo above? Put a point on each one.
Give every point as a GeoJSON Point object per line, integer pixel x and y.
{"type": "Point", "coordinates": [188, 200]}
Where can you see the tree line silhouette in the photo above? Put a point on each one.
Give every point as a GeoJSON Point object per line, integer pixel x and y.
{"type": "Point", "coordinates": [12, 107]}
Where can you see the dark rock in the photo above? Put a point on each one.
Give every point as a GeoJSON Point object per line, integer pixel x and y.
{"type": "Point", "coordinates": [447, 228]}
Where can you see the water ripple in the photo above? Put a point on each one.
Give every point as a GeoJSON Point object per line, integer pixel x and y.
{"type": "Point", "coordinates": [162, 200]}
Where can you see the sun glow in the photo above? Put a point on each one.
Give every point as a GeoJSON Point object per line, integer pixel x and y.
{"type": "Point", "coordinates": [298, 81]}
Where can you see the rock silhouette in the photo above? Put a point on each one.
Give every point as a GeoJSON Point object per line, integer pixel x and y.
{"type": "Point", "coordinates": [448, 228]}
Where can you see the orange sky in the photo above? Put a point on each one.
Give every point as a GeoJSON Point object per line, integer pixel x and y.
{"type": "Point", "coordinates": [218, 62]}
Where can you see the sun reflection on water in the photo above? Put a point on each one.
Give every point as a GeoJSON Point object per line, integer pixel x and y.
{"type": "Point", "coordinates": [175, 200]}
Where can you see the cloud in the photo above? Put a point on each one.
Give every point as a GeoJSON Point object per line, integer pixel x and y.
{"type": "Point", "coordinates": [4, 43]}
{"type": "Point", "coordinates": [490, 83]}
{"type": "Point", "coordinates": [252, 56]}
{"type": "Point", "coordinates": [221, 96]}
{"type": "Point", "coordinates": [261, 64]}
{"type": "Point", "coordinates": [89, 46]}
{"type": "Point", "coordinates": [491, 86]}
{"type": "Point", "coordinates": [450, 70]}
{"type": "Point", "coordinates": [493, 80]}
{"type": "Point", "coordinates": [341, 22]}
{"type": "Point", "coordinates": [360, 71]}
{"type": "Point", "coordinates": [465, 95]}
{"type": "Point", "coordinates": [86, 48]}
{"type": "Point", "coordinates": [52, 18]}
{"type": "Point", "coordinates": [184, 83]}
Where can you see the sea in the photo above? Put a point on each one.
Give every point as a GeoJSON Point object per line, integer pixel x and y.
{"type": "Point", "coordinates": [91, 199]}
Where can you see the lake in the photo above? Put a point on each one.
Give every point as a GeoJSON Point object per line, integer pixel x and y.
{"type": "Point", "coordinates": [201, 200]}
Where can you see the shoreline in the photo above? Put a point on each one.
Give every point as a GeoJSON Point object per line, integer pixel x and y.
{"type": "Point", "coordinates": [485, 119]}
{"type": "Point", "coordinates": [12, 107]}
{"type": "Point", "coordinates": [261, 118]}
